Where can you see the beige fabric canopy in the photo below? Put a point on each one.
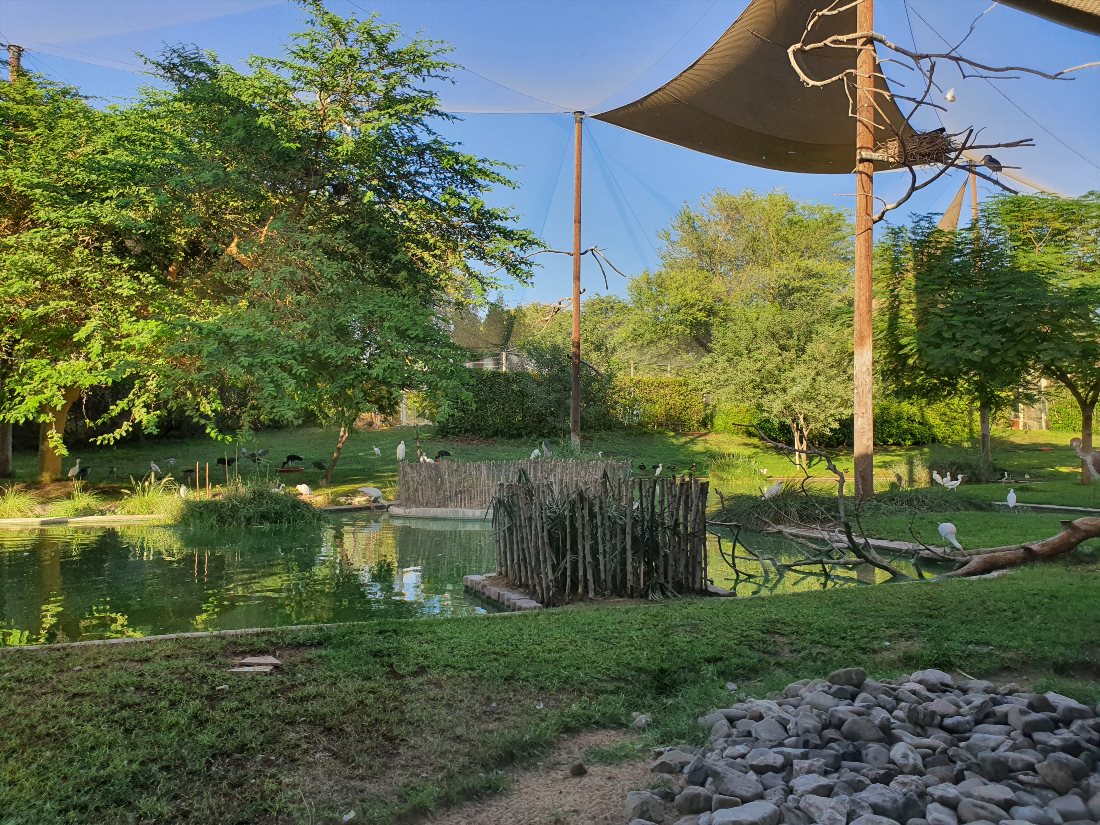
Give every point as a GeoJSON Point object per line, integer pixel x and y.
{"type": "Point", "coordinates": [742, 100]}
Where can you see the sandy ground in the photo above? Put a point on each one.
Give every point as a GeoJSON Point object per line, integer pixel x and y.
{"type": "Point", "coordinates": [547, 795]}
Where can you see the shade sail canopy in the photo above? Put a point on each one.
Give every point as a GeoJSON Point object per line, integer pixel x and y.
{"type": "Point", "coordinates": [1077, 14]}
{"type": "Point", "coordinates": [742, 100]}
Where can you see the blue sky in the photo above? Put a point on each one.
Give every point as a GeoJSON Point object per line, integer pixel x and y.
{"type": "Point", "coordinates": [530, 62]}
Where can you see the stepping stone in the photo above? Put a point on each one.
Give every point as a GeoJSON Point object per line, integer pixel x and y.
{"type": "Point", "coordinates": [252, 669]}
{"type": "Point", "coordinates": [249, 661]}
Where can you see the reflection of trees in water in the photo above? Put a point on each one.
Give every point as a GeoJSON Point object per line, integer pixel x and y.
{"type": "Point", "coordinates": [65, 585]}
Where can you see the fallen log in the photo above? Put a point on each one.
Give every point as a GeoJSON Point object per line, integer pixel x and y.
{"type": "Point", "coordinates": [1013, 555]}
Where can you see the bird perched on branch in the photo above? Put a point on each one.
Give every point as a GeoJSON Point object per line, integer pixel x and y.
{"type": "Point", "coordinates": [991, 163]}
{"type": "Point", "coordinates": [949, 533]}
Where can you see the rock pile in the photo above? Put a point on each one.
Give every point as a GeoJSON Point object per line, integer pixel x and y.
{"type": "Point", "coordinates": [923, 750]}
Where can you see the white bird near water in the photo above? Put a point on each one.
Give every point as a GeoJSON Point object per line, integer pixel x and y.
{"type": "Point", "coordinates": [657, 472]}
{"type": "Point", "coordinates": [774, 490]}
{"type": "Point", "coordinates": [951, 485]}
{"type": "Point", "coordinates": [153, 466]}
{"type": "Point", "coordinates": [304, 489]}
{"type": "Point", "coordinates": [949, 533]}
{"type": "Point", "coordinates": [371, 492]}
{"type": "Point", "coordinates": [377, 452]}
{"type": "Point", "coordinates": [401, 451]}
{"type": "Point", "coordinates": [74, 471]}
{"type": "Point", "coordinates": [1011, 498]}
{"type": "Point", "coordinates": [535, 454]}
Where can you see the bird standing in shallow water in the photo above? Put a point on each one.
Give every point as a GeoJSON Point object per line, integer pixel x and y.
{"type": "Point", "coordinates": [948, 532]}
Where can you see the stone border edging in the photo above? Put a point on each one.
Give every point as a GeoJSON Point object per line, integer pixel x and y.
{"type": "Point", "coordinates": [76, 521]}
{"type": "Point", "coordinates": [470, 513]}
{"type": "Point", "coordinates": [510, 599]}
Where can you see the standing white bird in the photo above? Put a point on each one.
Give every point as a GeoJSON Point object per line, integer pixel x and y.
{"type": "Point", "coordinates": [154, 468]}
{"type": "Point", "coordinates": [1004, 479]}
{"type": "Point", "coordinates": [401, 451]}
{"type": "Point", "coordinates": [74, 471]}
{"type": "Point", "coordinates": [599, 455]}
{"type": "Point", "coordinates": [950, 96]}
{"type": "Point", "coordinates": [951, 485]}
{"type": "Point", "coordinates": [774, 490]}
{"type": "Point", "coordinates": [377, 452]}
{"type": "Point", "coordinates": [657, 472]}
{"type": "Point", "coordinates": [183, 491]}
{"type": "Point", "coordinates": [304, 489]}
{"type": "Point", "coordinates": [426, 460]}
{"type": "Point", "coordinates": [936, 477]}
{"type": "Point", "coordinates": [1011, 498]}
{"type": "Point", "coordinates": [535, 454]}
{"type": "Point", "coordinates": [371, 492]}
{"type": "Point", "coordinates": [949, 533]}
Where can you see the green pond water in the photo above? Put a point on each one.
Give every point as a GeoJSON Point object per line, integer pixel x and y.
{"type": "Point", "coordinates": [63, 585]}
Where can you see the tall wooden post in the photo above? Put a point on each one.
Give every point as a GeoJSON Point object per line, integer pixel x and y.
{"type": "Point", "coordinates": [974, 196]}
{"type": "Point", "coordinates": [15, 61]}
{"type": "Point", "coordinates": [864, 439]}
{"type": "Point", "coordinates": [575, 393]}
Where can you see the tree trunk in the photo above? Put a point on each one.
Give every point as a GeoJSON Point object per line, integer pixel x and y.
{"type": "Point", "coordinates": [5, 450]}
{"type": "Point", "coordinates": [49, 460]}
{"type": "Point", "coordinates": [998, 558]}
{"type": "Point", "coordinates": [1086, 439]}
{"type": "Point", "coordinates": [796, 442]}
{"type": "Point", "coordinates": [344, 431]}
{"type": "Point", "coordinates": [983, 423]}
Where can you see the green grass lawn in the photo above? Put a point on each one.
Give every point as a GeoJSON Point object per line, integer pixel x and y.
{"type": "Point", "coordinates": [390, 718]}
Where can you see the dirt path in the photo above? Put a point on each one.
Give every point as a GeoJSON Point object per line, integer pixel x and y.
{"type": "Point", "coordinates": [548, 795]}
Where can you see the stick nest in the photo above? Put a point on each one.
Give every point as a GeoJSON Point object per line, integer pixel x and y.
{"type": "Point", "coordinates": [923, 149]}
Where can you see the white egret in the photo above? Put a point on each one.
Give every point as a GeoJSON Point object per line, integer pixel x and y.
{"type": "Point", "coordinates": [371, 492]}
{"type": "Point", "coordinates": [936, 477]}
{"type": "Point", "coordinates": [74, 471]}
{"type": "Point", "coordinates": [1004, 478]}
{"type": "Point", "coordinates": [951, 485]}
{"type": "Point", "coordinates": [377, 452]}
{"type": "Point", "coordinates": [304, 489]}
{"type": "Point", "coordinates": [774, 490]}
{"type": "Point", "coordinates": [535, 454]}
{"type": "Point", "coordinates": [424, 459]}
{"type": "Point", "coordinates": [657, 472]}
{"type": "Point", "coordinates": [183, 491]}
{"type": "Point", "coordinates": [949, 533]}
{"type": "Point", "coordinates": [599, 455]}
{"type": "Point", "coordinates": [401, 451]}
{"type": "Point", "coordinates": [1011, 498]}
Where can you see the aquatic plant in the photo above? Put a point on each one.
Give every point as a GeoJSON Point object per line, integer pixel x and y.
{"type": "Point", "coordinates": [81, 502]}
{"type": "Point", "coordinates": [248, 504]}
{"type": "Point", "coordinates": [16, 503]}
{"type": "Point", "coordinates": [151, 497]}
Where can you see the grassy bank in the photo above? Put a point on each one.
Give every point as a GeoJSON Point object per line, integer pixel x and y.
{"type": "Point", "coordinates": [391, 718]}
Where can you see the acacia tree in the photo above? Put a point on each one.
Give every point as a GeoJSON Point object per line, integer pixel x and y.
{"type": "Point", "coordinates": [293, 232]}
{"type": "Point", "coordinates": [1058, 240]}
{"type": "Point", "coordinates": [959, 316]}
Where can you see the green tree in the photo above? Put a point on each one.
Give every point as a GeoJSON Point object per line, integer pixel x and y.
{"type": "Point", "coordinates": [294, 232]}
{"type": "Point", "coordinates": [1058, 240]}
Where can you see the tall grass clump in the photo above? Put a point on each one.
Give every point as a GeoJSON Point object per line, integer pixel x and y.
{"type": "Point", "coordinates": [151, 497]}
{"type": "Point", "coordinates": [245, 504]}
{"type": "Point", "coordinates": [961, 461]}
{"type": "Point", "coordinates": [15, 503]}
{"type": "Point", "coordinates": [81, 502]}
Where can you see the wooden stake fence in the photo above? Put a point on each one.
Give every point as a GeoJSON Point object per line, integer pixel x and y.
{"type": "Point", "coordinates": [473, 485]}
{"type": "Point", "coordinates": [621, 537]}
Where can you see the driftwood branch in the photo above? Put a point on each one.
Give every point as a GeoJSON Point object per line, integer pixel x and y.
{"type": "Point", "coordinates": [1000, 558]}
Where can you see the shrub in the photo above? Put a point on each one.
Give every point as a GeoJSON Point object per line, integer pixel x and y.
{"type": "Point", "coordinates": [15, 503]}
{"type": "Point", "coordinates": [960, 461]}
{"type": "Point", "coordinates": [1063, 412]}
{"type": "Point", "coordinates": [80, 502]}
{"type": "Point", "coordinates": [500, 405]}
{"type": "Point", "coordinates": [248, 505]}
{"type": "Point", "coordinates": [658, 403]}
{"type": "Point", "coordinates": [149, 497]}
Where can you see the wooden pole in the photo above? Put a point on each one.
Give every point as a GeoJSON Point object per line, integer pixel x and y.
{"type": "Point", "coordinates": [973, 196]}
{"type": "Point", "coordinates": [575, 393]}
{"type": "Point", "coordinates": [15, 61]}
{"type": "Point", "coordinates": [864, 439]}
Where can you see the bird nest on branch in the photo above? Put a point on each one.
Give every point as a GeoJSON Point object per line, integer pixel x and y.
{"type": "Point", "coordinates": [921, 149]}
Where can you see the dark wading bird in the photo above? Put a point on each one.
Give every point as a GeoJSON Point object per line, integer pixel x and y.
{"type": "Point", "coordinates": [227, 462]}
{"type": "Point", "coordinates": [292, 459]}
{"type": "Point", "coordinates": [320, 465]}
{"type": "Point", "coordinates": [441, 455]}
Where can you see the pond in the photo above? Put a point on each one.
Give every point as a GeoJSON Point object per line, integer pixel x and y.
{"type": "Point", "coordinates": [78, 584]}
{"type": "Point", "coordinates": [61, 585]}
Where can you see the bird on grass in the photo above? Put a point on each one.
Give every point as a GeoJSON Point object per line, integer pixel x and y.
{"type": "Point", "coordinates": [951, 485]}
{"type": "Point", "coordinates": [257, 456]}
{"type": "Point", "coordinates": [936, 477]}
{"type": "Point", "coordinates": [370, 492]}
{"type": "Point", "coordinates": [599, 455]}
{"type": "Point", "coordinates": [183, 491]}
{"type": "Point", "coordinates": [774, 490]}
{"type": "Point", "coordinates": [535, 454]}
{"type": "Point", "coordinates": [156, 469]}
{"type": "Point", "coordinates": [74, 471]}
{"type": "Point", "coordinates": [292, 459]}
{"type": "Point", "coordinates": [424, 459]}
{"type": "Point", "coordinates": [441, 455]}
{"type": "Point", "coordinates": [657, 471]}
{"type": "Point", "coordinates": [227, 462]}
{"type": "Point", "coordinates": [188, 472]}
{"type": "Point", "coordinates": [546, 451]}
{"type": "Point", "coordinates": [899, 480]}
{"type": "Point", "coordinates": [304, 489]}
{"type": "Point", "coordinates": [401, 451]}
{"type": "Point", "coordinates": [948, 532]}
{"type": "Point", "coordinates": [1011, 499]}
{"type": "Point", "coordinates": [378, 452]}
{"type": "Point", "coordinates": [320, 465]}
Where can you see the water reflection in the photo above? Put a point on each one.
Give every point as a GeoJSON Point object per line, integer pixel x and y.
{"type": "Point", "coordinates": [68, 585]}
